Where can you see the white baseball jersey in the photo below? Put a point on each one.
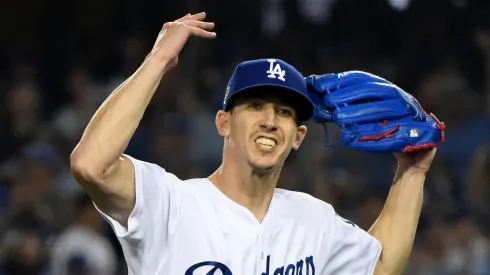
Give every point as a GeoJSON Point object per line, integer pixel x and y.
{"type": "Point", "coordinates": [191, 228]}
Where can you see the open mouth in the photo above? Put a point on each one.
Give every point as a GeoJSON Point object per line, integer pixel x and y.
{"type": "Point", "coordinates": [265, 143]}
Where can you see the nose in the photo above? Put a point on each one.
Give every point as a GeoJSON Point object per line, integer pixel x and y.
{"type": "Point", "coordinates": [268, 120]}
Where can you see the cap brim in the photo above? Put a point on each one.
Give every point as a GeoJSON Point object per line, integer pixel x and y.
{"type": "Point", "coordinates": [300, 102]}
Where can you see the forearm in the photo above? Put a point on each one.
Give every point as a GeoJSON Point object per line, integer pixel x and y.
{"type": "Point", "coordinates": [111, 128]}
{"type": "Point", "coordinates": [397, 224]}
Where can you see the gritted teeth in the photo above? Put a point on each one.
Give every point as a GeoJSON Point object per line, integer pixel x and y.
{"type": "Point", "coordinates": [265, 141]}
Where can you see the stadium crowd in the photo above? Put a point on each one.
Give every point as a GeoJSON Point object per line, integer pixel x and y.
{"type": "Point", "coordinates": [59, 61]}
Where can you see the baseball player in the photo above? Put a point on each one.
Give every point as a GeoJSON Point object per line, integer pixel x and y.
{"type": "Point", "coordinates": [235, 221]}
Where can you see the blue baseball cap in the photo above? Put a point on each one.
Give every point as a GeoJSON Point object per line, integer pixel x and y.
{"type": "Point", "coordinates": [274, 73]}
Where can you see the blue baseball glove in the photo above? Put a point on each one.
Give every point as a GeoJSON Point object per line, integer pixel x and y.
{"type": "Point", "coordinates": [374, 114]}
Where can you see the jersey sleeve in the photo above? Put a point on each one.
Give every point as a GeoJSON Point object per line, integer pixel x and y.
{"type": "Point", "coordinates": [348, 249]}
{"type": "Point", "coordinates": [159, 197]}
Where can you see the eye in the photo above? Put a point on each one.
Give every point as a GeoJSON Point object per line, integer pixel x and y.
{"type": "Point", "coordinates": [255, 106]}
{"type": "Point", "coordinates": [285, 112]}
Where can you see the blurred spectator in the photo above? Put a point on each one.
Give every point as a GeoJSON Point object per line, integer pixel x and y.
{"type": "Point", "coordinates": [23, 123]}
{"type": "Point", "coordinates": [70, 121]}
{"type": "Point", "coordinates": [469, 253]}
{"type": "Point", "coordinates": [82, 249]}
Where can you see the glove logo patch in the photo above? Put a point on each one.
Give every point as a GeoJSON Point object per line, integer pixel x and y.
{"type": "Point", "coordinates": [414, 132]}
{"type": "Point", "coordinates": [275, 70]}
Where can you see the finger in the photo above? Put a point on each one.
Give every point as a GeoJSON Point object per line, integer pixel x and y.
{"type": "Point", "coordinates": [199, 24]}
{"type": "Point", "coordinates": [201, 33]}
{"type": "Point", "coordinates": [185, 17]}
{"type": "Point", "coordinates": [197, 16]}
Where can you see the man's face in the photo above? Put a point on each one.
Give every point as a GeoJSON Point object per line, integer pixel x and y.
{"type": "Point", "coordinates": [263, 130]}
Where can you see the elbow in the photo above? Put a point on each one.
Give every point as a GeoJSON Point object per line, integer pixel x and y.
{"type": "Point", "coordinates": [84, 169]}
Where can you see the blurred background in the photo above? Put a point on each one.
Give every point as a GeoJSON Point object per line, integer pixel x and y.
{"type": "Point", "coordinates": [60, 60]}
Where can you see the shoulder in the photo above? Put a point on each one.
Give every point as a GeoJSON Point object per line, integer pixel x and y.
{"type": "Point", "coordinates": [299, 198]}
{"type": "Point", "coordinates": [196, 181]}
{"type": "Point", "coordinates": [143, 166]}
{"type": "Point", "coordinates": [153, 171]}
{"type": "Point", "coordinates": [151, 174]}
{"type": "Point", "coordinates": [303, 204]}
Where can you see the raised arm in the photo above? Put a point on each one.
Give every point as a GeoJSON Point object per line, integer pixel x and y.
{"type": "Point", "coordinates": [97, 162]}
{"type": "Point", "coordinates": [397, 224]}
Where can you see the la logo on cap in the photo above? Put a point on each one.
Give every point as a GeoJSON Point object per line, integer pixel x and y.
{"type": "Point", "coordinates": [275, 70]}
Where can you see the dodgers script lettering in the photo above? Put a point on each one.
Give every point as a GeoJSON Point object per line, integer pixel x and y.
{"type": "Point", "coordinates": [304, 266]}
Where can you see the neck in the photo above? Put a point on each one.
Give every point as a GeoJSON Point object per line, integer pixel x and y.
{"type": "Point", "coordinates": [248, 188]}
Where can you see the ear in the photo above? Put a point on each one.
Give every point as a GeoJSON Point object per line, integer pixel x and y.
{"type": "Point", "coordinates": [300, 136]}
{"type": "Point", "coordinates": [222, 123]}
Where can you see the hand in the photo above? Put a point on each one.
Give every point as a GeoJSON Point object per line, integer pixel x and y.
{"type": "Point", "coordinates": [174, 35]}
{"type": "Point", "coordinates": [418, 161]}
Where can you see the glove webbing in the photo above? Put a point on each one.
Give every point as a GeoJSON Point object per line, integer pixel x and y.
{"type": "Point", "coordinates": [327, 144]}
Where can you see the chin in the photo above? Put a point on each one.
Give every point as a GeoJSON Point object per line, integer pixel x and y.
{"type": "Point", "coordinates": [259, 167]}
{"type": "Point", "coordinates": [264, 160]}
{"type": "Point", "coordinates": [263, 164]}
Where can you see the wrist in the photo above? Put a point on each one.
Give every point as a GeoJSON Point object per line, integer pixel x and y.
{"type": "Point", "coordinates": [411, 170]}
{"type": "Point", "coordinates": [158, 58]}
{"type": "Point", "coordinates": [158, 62]}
